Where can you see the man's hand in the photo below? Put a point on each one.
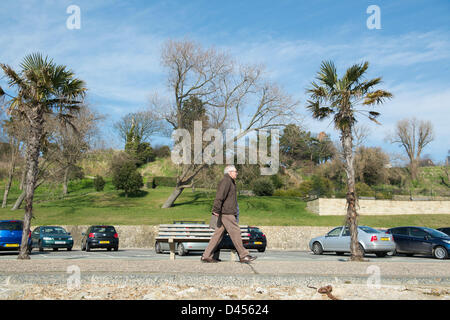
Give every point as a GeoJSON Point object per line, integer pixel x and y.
{"type": "Point", "coordinates": [216, 214]}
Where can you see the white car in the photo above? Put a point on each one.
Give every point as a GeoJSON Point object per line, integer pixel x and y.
{"type": "Point", "coordinates": [338, 240]}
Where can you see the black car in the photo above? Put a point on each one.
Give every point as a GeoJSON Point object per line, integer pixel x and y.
{"type": "Point", "coordinates": [444, 230]}
{"type": "Point", "coordinates": [420, 240]}
{"type": "Point", "coordinates": [100, 237]}
{"type": "Point", "coordinates": [257, 240]}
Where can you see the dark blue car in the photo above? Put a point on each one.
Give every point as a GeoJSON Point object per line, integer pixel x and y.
{"type": "Point", "coordinates": [421, 240]}
{"type": "Point", "coordinates": [11, 235]}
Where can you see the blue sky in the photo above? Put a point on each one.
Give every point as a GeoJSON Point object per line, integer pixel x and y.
{"type": "Point", "coordinates": [117, 49]}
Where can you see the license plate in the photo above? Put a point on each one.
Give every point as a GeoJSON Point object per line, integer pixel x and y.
{"type": "Point", "coordinates": [258, 242]}
{"type": "Point", "coordinates": [60, 242]}
{"type": "Point", "coordinates": [384, 239]}
{"type": "Point", "coordinates": [12, 245]}
{"type": "Point", "coordinates": [104, 242]}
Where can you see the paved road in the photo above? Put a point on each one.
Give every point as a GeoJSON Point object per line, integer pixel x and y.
{"type": "Point", "coordinates": [269, 255]}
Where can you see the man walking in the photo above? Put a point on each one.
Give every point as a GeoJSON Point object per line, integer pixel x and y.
{"type": "Point", "coordinates": [226, 209]}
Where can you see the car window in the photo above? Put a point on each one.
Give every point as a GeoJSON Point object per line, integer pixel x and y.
{"type": "Point", "coordinates": [400, 231]}
{"type": "Point", "coordinates": [369, 229]}
{"type": "Point", "coordinates": [346, 232]}
{"type": "Point", "coordinates": [11, 225]}
{"type": "Point", "coordinates": [55, 230]}
{"type": "Point", "coordinates": [436, 233]}
{"type": "Point", "coordinates": [335, 232]}
{"type": "Point", "coordinates": [104, 229]}
{"type": "Point", "coordinates": [416, 232]}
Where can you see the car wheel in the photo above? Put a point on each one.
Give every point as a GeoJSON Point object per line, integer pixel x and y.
{"type": "Point", "coordinates": [262, 249]}
{"type": "Point", "coordinates": [109, 249]}
{"type": "Point", "coordinates": [339, 253]}
{"type": "Point", "coordinates": [361, 248]}
{"type": "Point", "coordinates": [41, 248]}
{"type": "Point", "coordinates": [180, 250]}
{"type": "Point", "coordinates": [69, 249]}
{"type": "Point", "coordinates": [158, 247]}
{"type": "Point", "coordinates": [317, 248]}
{"type": "Point", "coordinates": [87, 247]}
{"type": "Point", "coordinates": [116, 248]}
{"type": "Point", "coordinates": [440, 253]}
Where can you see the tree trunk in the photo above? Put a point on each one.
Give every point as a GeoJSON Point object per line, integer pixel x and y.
{"type": "Point", "coordinates": [12, 168]}
{"type": "Point", "coordinates": [173, 197]}
{"type": "Point", "coordinates": [414, 167]}
{"type": "Point", "coordinates": [8, 185]}
{"type": "Point", "coordinates": [32, 157]}
{"type": "Point", "coordinates": [19, 201]}
{"type": "Point", "coordinates": [66, 180]}
{"type": "Point", "coordinates": [24, 176]}
{"type": "Point", "coordinates": [352, 215]}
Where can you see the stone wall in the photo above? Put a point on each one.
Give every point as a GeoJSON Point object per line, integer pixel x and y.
{"type": "Point", "coordinates": [379, 207]}
{"type": "Point", "coordinates": [143, 236]}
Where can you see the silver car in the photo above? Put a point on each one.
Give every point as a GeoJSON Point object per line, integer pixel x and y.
{"type": "Point", "coordinates": [338, 240]}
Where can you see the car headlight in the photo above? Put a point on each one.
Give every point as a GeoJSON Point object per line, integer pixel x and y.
{"type": "Point", "coordinates": [446, 241]}
{"type": "Point", "coordinates": [70, 238]}
{"type": "Point", "coordinates": [47, 238]}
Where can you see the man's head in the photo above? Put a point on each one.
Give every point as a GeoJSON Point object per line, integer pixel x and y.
{"type": "Point", "coordinates": [231, 170]}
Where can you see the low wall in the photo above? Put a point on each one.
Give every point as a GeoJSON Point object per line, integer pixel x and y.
{"type": "Point", "coordinates": [142, 236]}
{"type": "Point", "coordinates": [333, 207]}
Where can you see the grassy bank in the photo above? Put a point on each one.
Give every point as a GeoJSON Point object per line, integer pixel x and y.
{"type": "Point", "coordinates": [85, 206]}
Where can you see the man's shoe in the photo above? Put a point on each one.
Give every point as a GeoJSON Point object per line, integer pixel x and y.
{"type": "Point", "coordinates": [247, 259]}
{"type": "Point", "coordinates": [208, 260]}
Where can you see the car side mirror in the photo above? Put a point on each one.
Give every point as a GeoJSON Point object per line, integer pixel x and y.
{"type": "Point", "coordinates": [68, 233]}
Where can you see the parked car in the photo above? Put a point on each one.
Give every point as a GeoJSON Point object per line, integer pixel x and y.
{"type": "Point", "coordinates": [11, 235]}
{"type": "Point", "coordinates": [338, 240]}
{"type": "Point", "coordinates": [52, 237]}
{"type": "Point", "coordinates": [421, 240]}
{"type": "Point", "coordinates": [100, 237]}
{"type": "Point", "coordinates": [444, 230]}
{"type": "Point", "coordinates": [257, 241]}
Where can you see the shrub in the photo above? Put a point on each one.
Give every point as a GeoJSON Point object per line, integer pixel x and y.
{"type": "Point", "coordinates": [321, 186]}
{"type": "Point", "coordinates": [263, 187]}
{"type": "Point", "coordinates": [277, 181]}
{"type": "Point", "coordinates": [125, 176]}
{"type": "Point", "coordinates": [164, 182]}
{"type": "Point", "coordinates": [99, 183]}
{"type": "Point", "coordinates": [363, 190]}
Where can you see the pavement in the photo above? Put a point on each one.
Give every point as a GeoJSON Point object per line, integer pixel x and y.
{"type": "Point", "coordinates": [393, 277]}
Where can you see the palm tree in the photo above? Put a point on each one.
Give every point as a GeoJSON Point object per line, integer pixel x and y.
{"type": "Point", "coordinates": [44, 90]}
{"type": "Point", "coordinates": [331, 96]}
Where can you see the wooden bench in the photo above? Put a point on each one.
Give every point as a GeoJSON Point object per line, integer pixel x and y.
{"type": "Point", "coordinates": [179, 233]}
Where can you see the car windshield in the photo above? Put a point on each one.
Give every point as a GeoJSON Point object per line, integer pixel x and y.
{"type": "Point", "coordinates": [436, 233]}
{"type": "Point", "coordinates": [54, 230]}
{"type": "Point", "coordinates": [11, 225]}
{"type": "Point", "coordinates": [104, 229]}
{"type": "Point", "coordinates": [369, 229]}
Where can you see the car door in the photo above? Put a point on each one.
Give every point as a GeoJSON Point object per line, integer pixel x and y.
{"type": "Point", "coordinates": [343, 241]}
{"type": "Point", "coordinates": [331, 238]}
{"type": "Point", "coordinates": [401, 238]}
{"type": "Point", "coordinates": [420, 241]}
{"type": "Point", "coordinates": [35, 237]}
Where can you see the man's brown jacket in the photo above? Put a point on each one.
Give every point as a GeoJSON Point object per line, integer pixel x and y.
{"type": "Point", "coordinates": [226, 198]}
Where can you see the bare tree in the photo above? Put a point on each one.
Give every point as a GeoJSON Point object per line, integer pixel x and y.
{"type": "Point", "coordinates": [16, 131]}
{"type": "Point", "coordinates": [232, 94]}
{"type": "Point", "coordinates": [146, 123]}
{"type": "Point", "coordinates": [73, 141]}
{"type": "Point", "coordinates": [413, 136]}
